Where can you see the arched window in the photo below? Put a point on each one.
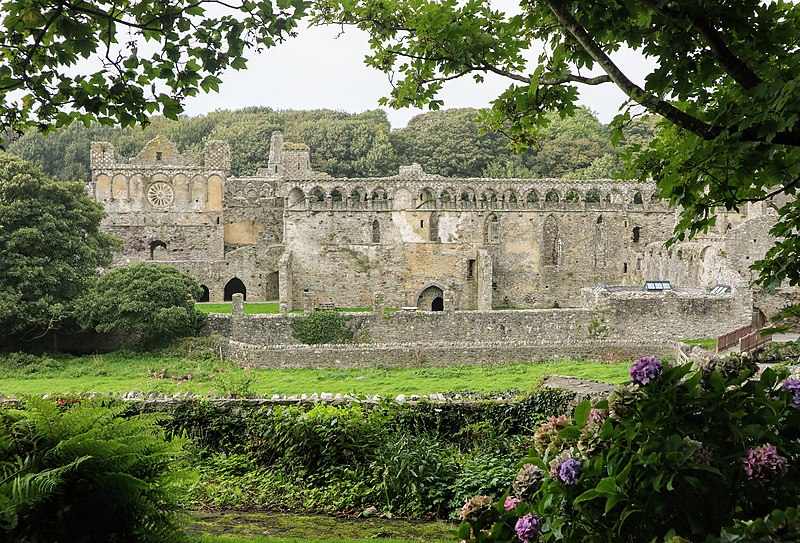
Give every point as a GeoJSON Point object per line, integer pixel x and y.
{"type": "Point", "coordinates": [336, 195]}
{"type": "Point", "coordinates": [158, 250]}
{"type": "Point", "coordinates": [376, 231]}
{"type": "Point", "coordinates": [592, 196]}
{"type": "Point", "coordinates": [636, 233]}
{"type": "Point", "coordinates": [551, 197]}
{"type": "Point", "coordinates": [572, 197]}
{"type": "Point", "coordinates": [654, 198]}
{"type": "Point", "coordinates": [318, 194]}
{"type": "Point", "coordinates": [234, 286]}
{"type": "Point", "coordinates": [551, 245]}
{"type": "Point", "coordinates": [433, 227]}
{"type": "Point", "coordinates": [532, 197]}
{"type": "Point", "coordinates": [637, 198]}
{"type": "Point", "coordinates": [491, 234]}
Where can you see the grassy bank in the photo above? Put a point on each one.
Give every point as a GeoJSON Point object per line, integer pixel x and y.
{"type": "Point", "coordinates": [196, 368]}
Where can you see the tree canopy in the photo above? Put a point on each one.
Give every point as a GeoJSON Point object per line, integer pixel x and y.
{"type": "Point", "coordinates": [726, 83]}
{"type": "Point", "coordinates": [153, 302]}
{"type": "Point", "coordinates": [117, 62]}
{"type": "Point", "coordinates": [50, 248]}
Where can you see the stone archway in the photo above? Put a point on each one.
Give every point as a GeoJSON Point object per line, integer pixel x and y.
{"type": "Point", "coordinates": [431, 299]}
{"type": "Point", "coordinates": [234, 286]}
{"type": "Point", "coordinates": [206, 296]}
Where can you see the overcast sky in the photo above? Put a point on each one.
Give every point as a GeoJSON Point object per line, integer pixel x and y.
{"type": "Point", "coordinates": [317, 69]}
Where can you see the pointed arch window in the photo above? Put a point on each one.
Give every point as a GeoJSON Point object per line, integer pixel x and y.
{"type": "Point", "coordinates": [376, 231]}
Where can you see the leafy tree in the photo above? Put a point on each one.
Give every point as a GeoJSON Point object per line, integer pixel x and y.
{"type": "Point", "coordinates": [50, 247]}
{"type": "Point", "coordinates": [726, 83]}
{"type": "Point", "coordinates": [134, 57]}
{"type": "Point", "coordinates": [152, 301]}
{"type": "Point", "coordinates": [80, 471]}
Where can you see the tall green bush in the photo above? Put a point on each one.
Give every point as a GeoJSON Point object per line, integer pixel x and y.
{"type": "Point", "coordinates": [85, 473]}
{"type": "Point", "coordinates": [322, 327]}
{"type": "Point", "coordinates": [676, 452]}
{"type": "Point", "coordinates": [152, 301]}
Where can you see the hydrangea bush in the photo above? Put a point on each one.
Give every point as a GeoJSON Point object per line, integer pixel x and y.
{"type": "Point", "coordinates": [676, 454]}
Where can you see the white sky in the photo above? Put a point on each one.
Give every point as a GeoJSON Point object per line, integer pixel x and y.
{"type": "Point", "coordinates": [319, 70]}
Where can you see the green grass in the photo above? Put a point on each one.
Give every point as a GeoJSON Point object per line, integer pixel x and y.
{"type": "Point", "coordinates": [124, 371]}
{"type": "Point", "coordinates": [258, 527]}
{"type": "Point", "coordinates": [709, 344]}
{"type": "Point", "coordinates": [250, 308]}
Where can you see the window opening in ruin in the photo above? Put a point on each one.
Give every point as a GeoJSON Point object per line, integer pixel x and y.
{"type": "Point", "coordinates": [551, 197]}
{"type": "Point", "coordinates": [156, 244]}
{"type": "Point", "coordinates": [422, 224]}
{"type": "Point", "coordinates": [159, 155]}
{"type": "Point", "coordinates": [654, 198]}
{"type": "Point", "coordinates": [637, 198]}
{"type": "Point", "coordinates": [446, 197]}
{"type": "Point", "coordinates": [376, 231]}
{"type": "Point", "coordinates": [599, 219]}
{"type": "Point", "coordinates": [625, 268]}
{"type": "Point", "coordinates": [437, 304]}
{"type": "Point", "coordinates": [471, 268]}
{"type": "Point", "coordinates": [206, 295]}
{"type": "Point", "coordinates": [572, 197]}
{"type": "Point", "coordinates": [319, 194]}
{"type": "Point", "coordinates": [491, 232]}
{"type": "Point", "coordinates": [336, 195]}
{"type": "Point", "coordinates": [217, 220]}
{"type": "Point", "coordinates": [550, 242]}
{"type": "Point", "coordinates": [433, 227]}
{"type": "Point", "coordinates": [636, 233]}
{"type": "Point", "coordinates": [592, 196]}
{"type": "Point", "coordinates": [512, 197]}
{"type": "Point", "coordinates": [532, 197]}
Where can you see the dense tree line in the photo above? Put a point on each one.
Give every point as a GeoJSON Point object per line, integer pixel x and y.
{"type": "Point", "coordinates": [448, 142]}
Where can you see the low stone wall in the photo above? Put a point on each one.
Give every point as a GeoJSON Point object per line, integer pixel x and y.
{"type": "Point", "coordinates": [439, 354]}
{"type": "Point", "coordinates": [422, 327]}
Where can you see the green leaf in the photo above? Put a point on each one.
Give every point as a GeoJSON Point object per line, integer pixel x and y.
{"type": "Point", "coordinates": [581, 413]}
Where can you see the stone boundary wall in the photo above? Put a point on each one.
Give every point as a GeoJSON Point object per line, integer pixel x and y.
{"type": "Point", "coordinates": [422, 327]}
{"type": "Point", "coordinates": [438, 354]}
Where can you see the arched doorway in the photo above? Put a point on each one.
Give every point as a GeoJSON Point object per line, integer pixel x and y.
{"type": "Point", "coordinates": [234, 286]}
{"type": "Point", "coordinates": [206, 296]}
{"type": "Point", "coordinates": [431, 299]}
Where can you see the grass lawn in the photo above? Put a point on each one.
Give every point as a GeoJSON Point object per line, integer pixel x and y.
{"type": "Point", "coordinates": [194, 368]}
{"type": "Point", "coordinates": [709, 344]}
{"type": "Point", "coordinates": [257, 527]}
{"type": "Point", "coordinates": [250, 308]}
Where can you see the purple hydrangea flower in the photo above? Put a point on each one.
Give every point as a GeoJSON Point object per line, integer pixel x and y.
{"type": "Point", "coordinates": [646, 369]}
{"type": "Point", "coordinates": [569, 471]}
{"type": "Point", "coordinates": [792, 386]}
{"type": "Point", "coordinates": [527, 528]}
{"type": "Point", "coordinates": [511, 503]}
{"type": "Point", "coordinates": [764, 464]}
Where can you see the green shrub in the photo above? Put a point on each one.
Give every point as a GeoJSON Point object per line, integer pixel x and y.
{"type": "Point", "coordinates": [151, 301]}
{"type": "Point", "coordinates": [84, 473]}
{"type": "Point", "coordinates": [683, 454]}
{"type": "Point", "coordinates": [322, 327]}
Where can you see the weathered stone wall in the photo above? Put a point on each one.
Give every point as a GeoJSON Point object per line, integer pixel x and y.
{"type": "Point", "coordinates": [439, 354]}
{"type": "Point", "coordinates": [668, 315]}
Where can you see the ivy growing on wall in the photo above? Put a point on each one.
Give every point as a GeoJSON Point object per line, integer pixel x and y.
{"type": "Point", "coordinates": [323, 327]}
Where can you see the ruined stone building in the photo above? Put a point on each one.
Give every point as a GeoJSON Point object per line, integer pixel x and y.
{"type": "Point", "coordinates": [300, 236]}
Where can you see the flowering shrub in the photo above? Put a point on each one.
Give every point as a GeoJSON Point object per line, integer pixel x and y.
{"type": "Point", "coordinates": [677, 454]}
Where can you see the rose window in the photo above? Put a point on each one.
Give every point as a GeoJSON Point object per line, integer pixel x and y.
{"type": "Point", "coordinates": [160, 194]}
